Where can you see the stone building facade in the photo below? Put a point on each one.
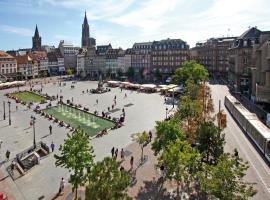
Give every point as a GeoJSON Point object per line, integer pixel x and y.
{"type": "Point", "coordinates": [214, 55]}
{"type": "Point", "coordinates": [169, 54]}
{"type": "Point", "coordinates": [8, 65]}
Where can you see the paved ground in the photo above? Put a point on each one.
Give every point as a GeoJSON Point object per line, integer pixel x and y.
{"type": "Point", "coordinates": [43, 180]}
{"type": "Point", "coordinates": [259, 171]}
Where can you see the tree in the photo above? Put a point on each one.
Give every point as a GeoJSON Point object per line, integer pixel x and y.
{"type": "Point", "coordinates": [166, 132]}
{"type": "Point", "coordinates": [189, 114]}
{"type": "Point", "coordinates": [190, 70]}
{"type": "Point", "coordinates": [142, 139]}
{"type": "Point", "coordinates": [131, 72]}
{"type": "Point", "coordinates": [181, 163]}
{"type": "Point", "coordinates": [119, 73]}
{"type": "Point", "coordinates": [70, 71]}
{"type": "Point", "coordinates": [158, 74]}
{"type": "Point", "coordinates": [107, 182]}
{"type": "Point", "coordinates": [225, 179]}
{"type": "Point", "coordinates": [76, 155]}
{"type": "Point", "coordinates": [210, 142]}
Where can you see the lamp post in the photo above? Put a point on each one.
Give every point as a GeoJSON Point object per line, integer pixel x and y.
{"type": "Point", "coordinates": [173, 97]}
{"type": "Point", "coordinates": [9, 117]}
{"type": "Point", "coordinates": [33, 119]}
{"type": "Point", "coordinates": [166, 113]}
{"type": "Point", "coordinates": [4, 106]}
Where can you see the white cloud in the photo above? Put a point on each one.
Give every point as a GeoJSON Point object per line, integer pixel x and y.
{"type": "Point", "coordinates": [17, 30]}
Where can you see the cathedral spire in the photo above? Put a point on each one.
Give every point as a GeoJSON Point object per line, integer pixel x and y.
{"type": "Point", "coordinates": [36, 32]}
{"type": "Point", "coordinates": [85, 19]}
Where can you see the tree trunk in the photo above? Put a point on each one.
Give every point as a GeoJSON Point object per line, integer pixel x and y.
{"type": "Point", "coordinates": [76, 192]}
{"type": "Point", "coordinates": [142, 156]}
{"type": "Point", "coordinates": [178, 191]}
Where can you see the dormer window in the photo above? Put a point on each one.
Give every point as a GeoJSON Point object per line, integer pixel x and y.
{"type": "Point", "coordinates": [245, 43]}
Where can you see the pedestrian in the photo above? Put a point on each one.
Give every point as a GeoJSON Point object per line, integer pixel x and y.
{"type": "Point", "coordinates": [52, 146]}
{"type": "Point", "coordinates": [50, 128]}
{"type": "Point", "coordinates": [72, 99]}
{"type": "Point", "coordinates": [7, 154]}
{"type": "Point", "coordinates": [112, 151]}
{"type": "Point", "coordinates": [125, 95]}
{"type": "Point", "coordinates": [112, 107]}
{"type": "Point", "coordinates": [1, 142]}
{"type": "Point", "coordinates": [122, 154]}
{"type": "Point", "coordinates": [131, 162]}
{"type": "Point", "coordinates": [97, 101]}
{"type": "Point", "coordinates": [108, 109]}
{"type": "Point", "coordinates": [116, 153]}
{"type": "Point", "coordinates": [57, 96]}
{"type": "Point", "coordinates": [115, 97]}
{"type": "Point", "coordinates": [123, 110]}
{"type": "Point", "coordinates": [150, 136]}
{"type": "Point", "coordinates": [16, 108]}
{"type": "Point", "coordinates": [62, 186]}
{"type": "Point", "coordinates": [235, 153]}
{"type": "Point", "coordinates": [121, 89]}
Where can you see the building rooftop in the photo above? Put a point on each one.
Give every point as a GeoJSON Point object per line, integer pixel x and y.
{"type": "Point", "coordinates": [23, 59]}
{"type": "Point", "coordinates": [3, 54]}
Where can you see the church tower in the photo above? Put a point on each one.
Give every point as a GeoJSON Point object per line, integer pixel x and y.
{"type": "Point", "coordinates": [85, 33]}
{"type": "Point", "coordinates": [36, 41]}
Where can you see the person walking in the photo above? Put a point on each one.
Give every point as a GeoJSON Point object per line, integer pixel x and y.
{"type": "Point", "coordinates": [50, 128]}
{"type": "Point", "coordinates": [150, 136]}
{"type": "Point", "coordinates": [97, 101]}
{"type": "Point", "coordinates": [7, 154]}
{"type": "Point", "coordinates": [131, 162]}
{"type": "Point", "coordinates": [116, 153]}
{"type": "Point", "coordinates": [62, 186]}
{"type": "Point", "coordinates": [122, 154]}
{"type": "Point", "coordinates": [112, 151]}
{"type": "Point", "coordinates": [52, 146]}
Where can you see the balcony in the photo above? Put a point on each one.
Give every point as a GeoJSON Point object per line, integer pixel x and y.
{"type": "Point", "coordinates": [262, 93]}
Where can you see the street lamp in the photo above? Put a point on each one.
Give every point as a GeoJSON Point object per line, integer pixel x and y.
{"type": "Point", "coordinates": [166, 113]}
{"type": "Point", "coordinates": [34, 131]}
{"type": "Point", "coordinates": [4, 106]}
{"type": "Point", "coordinates": [9, 117]}
{"type": "Point", "coordinates": [173, 97]}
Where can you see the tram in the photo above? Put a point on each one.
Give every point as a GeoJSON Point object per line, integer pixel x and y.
{"type": "Point", "coordinates": [252, 126]}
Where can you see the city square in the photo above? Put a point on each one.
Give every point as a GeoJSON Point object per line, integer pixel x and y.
{"type": "Point", "coordinates": [141, 113]}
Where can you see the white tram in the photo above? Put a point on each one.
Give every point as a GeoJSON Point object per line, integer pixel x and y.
{"type": "Point", "coordinates": [249, 122]}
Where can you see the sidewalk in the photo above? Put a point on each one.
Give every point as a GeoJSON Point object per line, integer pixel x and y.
{"type": "Point", "coordinates": [146, 184]}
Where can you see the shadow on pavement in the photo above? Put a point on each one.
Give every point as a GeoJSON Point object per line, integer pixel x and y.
{"type": "Point", "coordinates": [153, 190]}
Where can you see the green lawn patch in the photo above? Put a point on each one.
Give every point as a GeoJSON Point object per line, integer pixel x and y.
{"type": "Point", "coordinates": [28, 97]}
{"type": "Point", "coordinates": [90, 123]}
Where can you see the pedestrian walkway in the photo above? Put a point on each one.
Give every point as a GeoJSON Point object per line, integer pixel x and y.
{"type": "Point", "coordinates": [146, 181]}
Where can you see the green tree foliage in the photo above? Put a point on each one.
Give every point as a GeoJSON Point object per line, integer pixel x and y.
{"type": "Point", "coordinates": [70, 71]}
{"type": "Point", "coordinates": [131, 72]}
{"type": "Point", "coordinates": [142, 139]}
{"type": "Point", "coordinates": [166, 132]}
{"type": "Point", "coordinates": [210, 141]}
{"type": "Point", "coordinates": [190, 70]}
{"type": "Point", "coordinates": [107, 182]}
{"type": "Point", "coordinates": [76, 155]}
{"type": "Point", "coordinates": [181, 163]}
{"type": "Point", "coordinates": [158, 74]}
{"type": "Point", "coordinates": [189, 115]}
{"type": "Point", "coordinates": [225, 179]}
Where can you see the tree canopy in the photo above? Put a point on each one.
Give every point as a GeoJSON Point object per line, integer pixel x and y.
{"type": "Point", "coordinates": [166, 132]}
{"type": "Point", "coordinates": [210, 141]}
{"type": "Point", "coordinates": [181, 163]}
{"type": "Point", "coordinates": [76, 155]}
{"type": "Point", "coordinates": [225, 179]}
{"type": "Point", "coordinates": [107, 181]}
{"type": "Point", "coordinates": [190, 70]}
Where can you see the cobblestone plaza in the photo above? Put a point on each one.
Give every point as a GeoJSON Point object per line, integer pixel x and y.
{"type": "Point", "coordinates": [142, 110]}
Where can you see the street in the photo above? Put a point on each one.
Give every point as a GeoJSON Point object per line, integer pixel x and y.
{"type": "Point", "coordinates": [258, 171]}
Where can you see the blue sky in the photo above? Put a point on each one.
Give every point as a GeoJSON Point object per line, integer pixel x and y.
{"type": "Point", "coordinates": [124, 22]}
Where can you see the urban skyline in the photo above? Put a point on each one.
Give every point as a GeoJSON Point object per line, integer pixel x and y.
{"type": "Point", "coordinates": [127, 22]}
